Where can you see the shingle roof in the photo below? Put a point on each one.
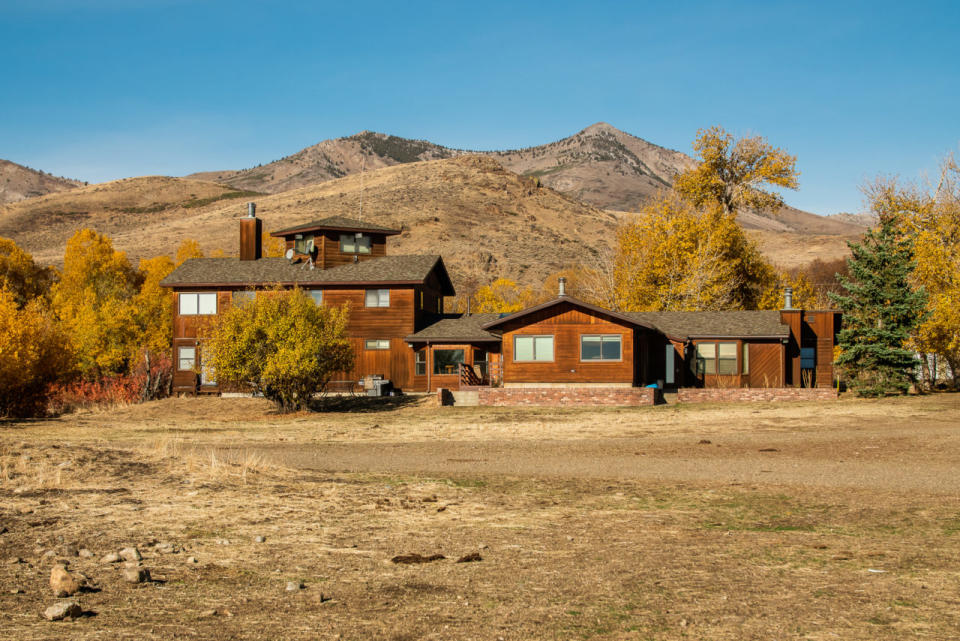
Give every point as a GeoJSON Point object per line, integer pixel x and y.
{"type": "Point", "coordinates": [457, 327]}
{"type": "Point", "coordinates": [412, 269]}
{"type": "Point", "coordinates": [337, 222]}
{"type": "Point", "coordinates": [732, 324]}
{"type": "Point", "coordinates": [743, 324]}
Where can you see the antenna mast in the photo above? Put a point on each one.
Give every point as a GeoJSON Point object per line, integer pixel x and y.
{"type": "Point", "coordinates": [363, 166]}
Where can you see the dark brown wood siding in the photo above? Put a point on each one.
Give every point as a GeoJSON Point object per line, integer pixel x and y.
{"type": "Point", "coordinates": [567, 323]}
{"type": "Point", "coordinates": [766, 364]}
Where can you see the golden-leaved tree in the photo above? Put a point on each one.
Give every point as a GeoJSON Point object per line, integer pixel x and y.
{"type": "Point", "coordinates": [189, 248]}
{"type": "Point", "coordinates": [804, 293]}
{"type": "Point", "coordinates": [34, 352]}
{"type": "Point", "coordinates": [736, 173]}
{"type": "Point", "coordinates": [93, 302]}
{"type": "Point", "coordinates": [931, 216]}
{"type": "Point", "coordinates": [280, 344]}
{"type": "Point", "coordinates": [678, 257]}
{"type": "Point", "coordinates": [504, 296]}
{"type": "Point", "coordinates": [22, 277]}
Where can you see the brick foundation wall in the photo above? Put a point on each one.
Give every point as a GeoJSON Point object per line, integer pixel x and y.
{"type": "Point", "coordinates": [754, 394]}
{"type": "Point", "coordinates": [552, 396]}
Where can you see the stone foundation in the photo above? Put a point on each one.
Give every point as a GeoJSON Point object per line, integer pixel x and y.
{"type": "Point", "coordinates": [754, 394]}
{"type": "Point", "coordinates": [572, 396]}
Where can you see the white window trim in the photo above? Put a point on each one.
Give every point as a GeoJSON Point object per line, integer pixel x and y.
{"type": "Point", "coordinates": [553, 348]}
{"type": "Point", "coordinates": [366, 301]}
{"type": "Point", "coordinates": [378, 344]}
{"type": "Point", "coordinates": [180, 358]}
{"type": "Point", "coordinates": [601, 359]}
{"type": "Point", "coordinates": [197, 295]}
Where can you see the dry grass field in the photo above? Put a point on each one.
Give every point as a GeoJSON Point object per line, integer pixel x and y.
{"type": "Point", "coordinates": [796, 521]}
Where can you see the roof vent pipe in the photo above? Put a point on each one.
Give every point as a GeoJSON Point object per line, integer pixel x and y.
{"type": "Point", "coordinates": [251, 210]}
{"type": "Point", "coordinates": [788, 297]}
{"type": "Point", "coordinates": [562, 285]}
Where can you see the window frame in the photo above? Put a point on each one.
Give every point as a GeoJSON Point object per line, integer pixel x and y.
{"type": "Point", "coordinates": [533, 337]}
{"type": "Point", "coordinates": [379, 344]}
{"type": "Point", "coordinates": [355, 239]}
{"type": "Point", "coordinates": [379, 294]}
{"type": "Point", "coordinates": [180, 358]}
{"type": "Point", "coordinates": [181, 296]}
{"type": "Point", "coordinates": [243, 296]}
{"type": "Point", "coordinates": [463, 360]}
{"type": "Point", "coordinates": [314, 293]}
{"type": "Point", "coordinates": [603, 338]}
{"type": "Point", "coordinates": [701, 363]}
{"type": "Point", "coordinates": [417, 362]}
{"type": "Point", "coordinates": [305, 244]}
{"type": "Point", "coordinates": [726, 359]}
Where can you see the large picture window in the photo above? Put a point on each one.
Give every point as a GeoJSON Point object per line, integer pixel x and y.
{"type": "Point", "coordinates": [198, 304]}
{"type": "Point", "coordinates": [717, 358]}
{"type": "Point", "coordinates": [532, 348]}
{"type": "Point", "coordinates": [601, 347]}
{"type": "Point", "coordinates": [447, 361]}
{"type": "Point", "coordinates": [377, 298]}
{"type": "Point", "coordinates": [355, 244]}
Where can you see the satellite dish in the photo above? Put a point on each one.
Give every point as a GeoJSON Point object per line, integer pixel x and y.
{"type": "Point", "coordinates": [289, 254]}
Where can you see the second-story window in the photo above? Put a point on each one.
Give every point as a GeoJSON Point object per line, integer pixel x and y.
{"type": "Point", "coordinates": [354, 244]}
{"type": "Point", "coordinates": [317, 296]}
{"type": "Point", "coordinates": [378, 298]}
{"type": "Point", "coordinates": [303, 244]}
{"type": "Point", "coordinates": [198, 304]}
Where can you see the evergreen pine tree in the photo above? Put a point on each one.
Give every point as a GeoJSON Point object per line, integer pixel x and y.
{"type": "Point", "coordinates": [880, 310]}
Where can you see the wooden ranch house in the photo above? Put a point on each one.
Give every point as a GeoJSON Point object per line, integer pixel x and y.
{"type": "Point", "coordinates": [399, 331]}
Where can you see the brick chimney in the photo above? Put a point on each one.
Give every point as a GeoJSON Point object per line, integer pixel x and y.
{"type": "Point", "coordinates": [251, 232]}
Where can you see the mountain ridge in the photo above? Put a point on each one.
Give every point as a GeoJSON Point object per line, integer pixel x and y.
{"type": "Point", "coordinates": [19, 182]}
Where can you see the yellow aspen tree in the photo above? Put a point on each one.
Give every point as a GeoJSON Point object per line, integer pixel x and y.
{"type": "Point", "coordinates": [503, 296]}
{"type": "Point", "coordinates": [22, 277]}
{"type": "Point", "coordinates": [733, 173]}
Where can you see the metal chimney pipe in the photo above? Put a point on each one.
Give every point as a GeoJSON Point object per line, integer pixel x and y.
{"type": "Point", "coordinates": [788, 297]}
{"type": "Point", "coordinates": [562, 284]}
{"type": "Point", "coordinates": [251, 210]}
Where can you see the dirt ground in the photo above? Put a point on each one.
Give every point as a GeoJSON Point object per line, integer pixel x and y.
{"type": "Point", "coordinates": [836, 520]}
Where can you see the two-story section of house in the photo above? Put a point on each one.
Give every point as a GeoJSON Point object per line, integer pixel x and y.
{"type": "Point", "coordinates": [337, 261]}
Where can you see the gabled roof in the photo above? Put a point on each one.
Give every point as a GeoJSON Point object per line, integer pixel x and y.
{"type": "Point", "coordinates": [386, 270]}
{"type": "Point", "coordinates": [678, 325]}
{"type": "Point", "coordinates": [452, 328]}
{"type": "Point", "coordinates": [576, 302]}
{"type": "Point", "coordinates": [337, 223]}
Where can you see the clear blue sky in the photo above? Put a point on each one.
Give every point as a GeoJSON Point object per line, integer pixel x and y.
{"type": "Point", "coordinates": [103, 89]}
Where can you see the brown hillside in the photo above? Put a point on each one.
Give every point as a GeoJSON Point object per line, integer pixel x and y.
{"type": "Point", "coordinates": [483, 219]}
{"type": "Point", "coordinates": [19, 183]}
{"type": "Point", "coordinates": [134, 211]}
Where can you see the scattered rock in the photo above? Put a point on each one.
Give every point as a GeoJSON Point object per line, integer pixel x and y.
{"type": "Point", "coordinates": [64, 583]}
{"type": "Point", "coordinates": [191, 559]}
{"type": "Point", "coordinates": [113, 557]}
{"type": "Point", "coordinates": [208, 613]}
{"type": "Point", "coordinates": [16, 591]}
{"type": "Point", "coordinates": [259, 539]}
{"type": "Point", "coordinates": [483, 546]}
{"type": "Point", "coordinates": [294, 586]}
{"type": "Point", "coordinates": [768, 449]}
{"type": "Point", "coordinates": [222, 541]}
{"type": "Point", "coordinates": [63, 610]}
{"type": "Point", "coordinates": [704, 441]}
{"type": "Point", "coordinates": [570, 538]}
{"type": "Point", "coordinates": [3, 529]}
{"type": "Point", "coordinates": [50, 553]}
{"type": "Point", "coordinates": [470, 558]}
{"type": "Point", "coordinates": [441, 508]}
{"type": "Point", "coordinates": [429, 499]}
{"type": "Point", "coordinates": [136, 575]}
{"type": "Point", "coordinates": [65, 464]}
{"type": "Point", "coordinates": [68, 551]}
{"type": "Point", "coordinates": [416, 558]}
{"type": "Point", "coordinates": [130, 554]}
{"type": "Point", "coordinates": [85, 553]}
{"type": "Point", "coordinates": [14, 560]}
{"type": "Point", "coordinates": [166, 548]}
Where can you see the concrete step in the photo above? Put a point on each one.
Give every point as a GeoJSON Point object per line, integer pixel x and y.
{"type": "Point", "coordinates": [466, 398]}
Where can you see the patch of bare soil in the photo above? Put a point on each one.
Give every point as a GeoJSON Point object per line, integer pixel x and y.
{"type": "Point", "coordinates": [564, 556]}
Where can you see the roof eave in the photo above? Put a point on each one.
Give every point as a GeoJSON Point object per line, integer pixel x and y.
{"type": "Point", "coordinates": [274, 283]}
{"type": "Point", "coordinates": [300, 230]}
{"type": "Point", "coordinates": [452, 339]}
